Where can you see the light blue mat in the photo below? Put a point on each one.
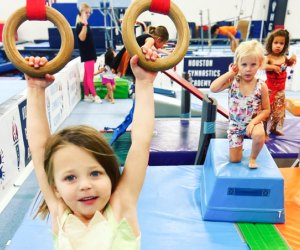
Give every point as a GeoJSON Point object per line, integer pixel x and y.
{"type": "Point", "coordinates": [169, 215]}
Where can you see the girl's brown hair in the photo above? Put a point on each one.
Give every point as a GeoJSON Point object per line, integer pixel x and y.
{"type": "Point", "coordinates": [90, 140]}
{"type": "Point", "coordinates": [272, 35]}
{"type": "Point", "coordinates": [159, 32]}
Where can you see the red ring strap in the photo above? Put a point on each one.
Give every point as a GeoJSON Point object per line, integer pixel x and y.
{"type": "Point", "coordinates": [160, 6]}
{"type": "Point", "coordinates": [36, 10]}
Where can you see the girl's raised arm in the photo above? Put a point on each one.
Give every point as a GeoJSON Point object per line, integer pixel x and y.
{"type": "Point", "coordinates": [149, 50]}
{"type": "Point", "coordinates": [148, 43]}
{"type": "Point", "coordinates": [38, 130]}
{"type": "Point", "coordinates": [142, 130]}
{"type": "Point", "coordinates": [224, 81]}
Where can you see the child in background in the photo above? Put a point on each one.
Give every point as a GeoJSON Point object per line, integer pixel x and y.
{"type": "Point", "coordinates": [108, 76]}
{"type": "Point", "coordinates": [91, 205]}
{"type": "Point", "coordinates": [277, 44]}
{"type": "Point", "coordinates": [230, 31]}
{"type": "Point", "coordinates": [151, 43]}
{"type": "Point", "coordinates": [248, 100]}
{"type": "Point", "coordinates": [87, 52]}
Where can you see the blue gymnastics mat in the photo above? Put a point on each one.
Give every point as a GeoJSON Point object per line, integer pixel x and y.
{"type": "Point", "coordinates": [287, 145]}
{"type": "Point", "coordinates": [169, 214]}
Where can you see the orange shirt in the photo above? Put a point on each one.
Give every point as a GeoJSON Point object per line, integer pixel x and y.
{"type": "Point", "coordinates": [224, 30]}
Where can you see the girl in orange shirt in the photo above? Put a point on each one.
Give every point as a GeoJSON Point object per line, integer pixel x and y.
{"type": "Point", "coordinates": [230, 31]}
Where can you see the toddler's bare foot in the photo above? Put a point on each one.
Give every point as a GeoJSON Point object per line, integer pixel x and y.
{"type": "Point", "coordinates": [276, 132]}
{"type": "Point", "coordinates": [252, 163]}
{"type": "Point", "coordinates": [112, 101]}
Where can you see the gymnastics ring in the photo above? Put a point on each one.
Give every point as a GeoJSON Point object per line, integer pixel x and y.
{"type": "Point", "coordinates": [53, 66]}
{"type": "Point", "coordinates": [129, 39]}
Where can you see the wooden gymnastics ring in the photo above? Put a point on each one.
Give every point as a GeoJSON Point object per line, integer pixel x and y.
{"type": "Point", "coordinates": [129, 39]}
{"type": "Point", "coordinates": [53, 66]}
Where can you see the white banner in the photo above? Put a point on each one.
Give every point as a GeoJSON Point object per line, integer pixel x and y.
{"type": "Point", "coordinates": [11, 149]}
{"type": "Point", "coordinates": [63, 94]}
{"type": "Point", "coordinates": [73, 78]}
{"type": "Point", "coordinates": [61, 97]}
{"type": "Point", "coordinates": [55, 103]}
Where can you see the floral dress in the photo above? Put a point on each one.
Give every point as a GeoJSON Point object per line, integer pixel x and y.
{"type": "Point", "coordinates": [242, 109]}
{"type": "Point", "coordinates": [276, 84]}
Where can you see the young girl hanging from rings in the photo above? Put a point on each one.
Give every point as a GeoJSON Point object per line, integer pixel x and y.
{"type": "Point", "coordinates": [91, 205]}
{"type": "Point", "coordinates": [108, 75]}
{"type": "Point", "coordinates": [277, 45]}
{"type": "Point", "coordinates": [152, 41]}
{"type": "Point", "coordinates": [247, 100]}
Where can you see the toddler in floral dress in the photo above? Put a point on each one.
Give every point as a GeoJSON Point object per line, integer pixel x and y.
{"type": "Point", "coordinates": [247, 99]}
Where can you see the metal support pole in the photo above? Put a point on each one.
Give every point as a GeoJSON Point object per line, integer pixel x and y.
{"type": "Point", "coordinates": [251, 18]}
{"type": "Point", "coordinates": [209, 26]}
{"type": "Point", "coordinates": [185, 99]}
{"type": "Point", "coordinates": [201, 27]}
{"type": "Point", "coordinates": [262, 24]}
{"type": "Point", "coordinates": [207, 130]}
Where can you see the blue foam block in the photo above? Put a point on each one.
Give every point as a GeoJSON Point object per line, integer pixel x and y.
{"type": "Point", "coordinates": [233, 192]}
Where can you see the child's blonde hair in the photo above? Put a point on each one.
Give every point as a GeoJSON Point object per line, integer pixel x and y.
{"type": "Point", "coordinates": [88, 139]}
{"type": "Point", "coordinates": [83, 7]}
{"type": "Point", "coordinates": [250, 48]}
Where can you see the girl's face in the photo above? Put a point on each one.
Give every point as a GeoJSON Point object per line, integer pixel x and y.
{"type": "Point", "coordinates": [278, 44]}
{"type": "Point", "coordinates": [159, 43]}
{"type": "Point", "coordinates": [248, 66]}
{"type": "Point", "coordinates": [86, 13]}
{"type": "Point", "coordinates": [80, 181]}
